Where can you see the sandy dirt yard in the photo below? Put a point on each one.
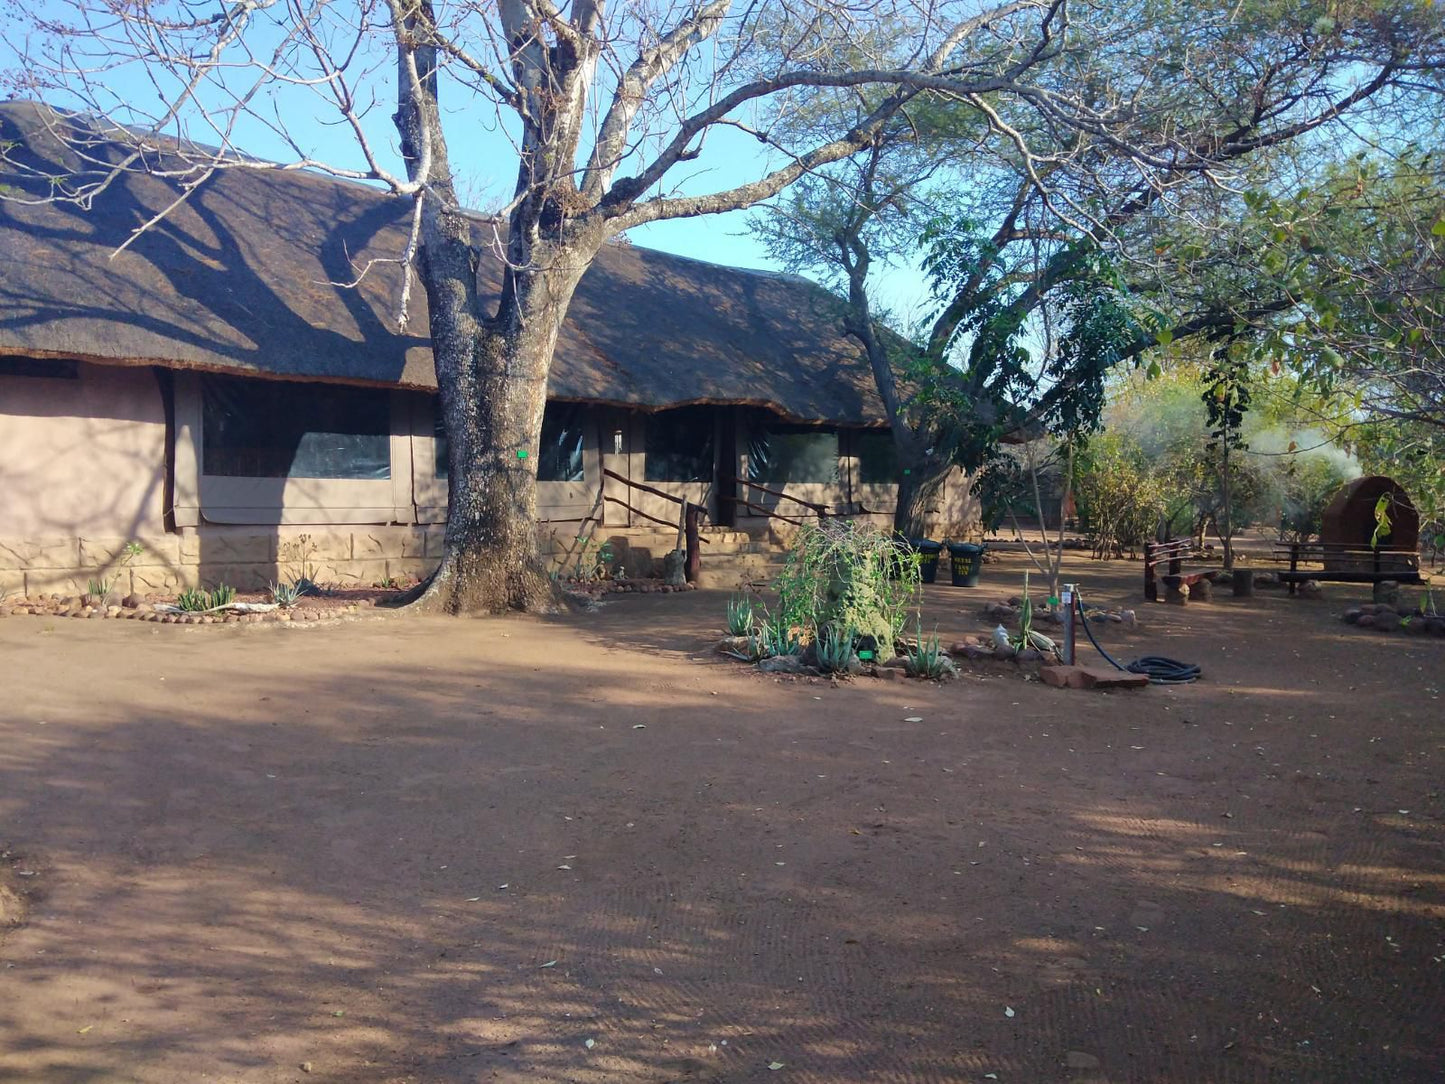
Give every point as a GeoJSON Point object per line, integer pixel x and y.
{"type": "Point", "coordinates": [586, 849]}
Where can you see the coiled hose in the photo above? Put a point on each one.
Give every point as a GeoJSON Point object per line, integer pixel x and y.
{"type": "Point", "coordinates": [1161, 671]}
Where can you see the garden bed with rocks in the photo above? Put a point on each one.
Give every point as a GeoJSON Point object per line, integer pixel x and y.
{"type": "Point", "coordinates": [902, 664]}
{"type": "Point", "coordinates": [598, 588]}
{"type": "Point", "coordinates": [1387, 617]}
{"type": "Point", "coordinates": [248, 608]}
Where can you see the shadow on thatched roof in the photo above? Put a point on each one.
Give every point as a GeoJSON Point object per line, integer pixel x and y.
{"type": "Point", "coordinates": [239, 278]}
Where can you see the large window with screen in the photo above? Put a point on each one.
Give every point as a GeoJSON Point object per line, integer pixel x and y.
{"type": "Point", "coordinates": [679, 445]}
{"type": "Point", "coordinates": [779, 454]}
{"type": "Point", "coordinates": [278, 429]}
{"type": "Point", "coordinates": [559, 457]}
{"type": "Point", "coordinates": [877, 456]}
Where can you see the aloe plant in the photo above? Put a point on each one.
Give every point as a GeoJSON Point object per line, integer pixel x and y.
{"type": "Point", "coordinates": [834, 648]}
{"type": "Point", "coordinates": [193, 600]}
{"type": "Point", "coordinates": [286, 594]}
{"type": "Point", "coordinates": [742, 616]}
{"type": "Point", "coordinates": [776, 636]}
{"type": "Point", "coordinates": [926, 657]}
{"type": "Point", "coordinates": [1027, 637]}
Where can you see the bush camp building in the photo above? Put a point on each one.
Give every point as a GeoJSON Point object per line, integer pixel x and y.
{"type": "Point", "coordinates": [211, 393]}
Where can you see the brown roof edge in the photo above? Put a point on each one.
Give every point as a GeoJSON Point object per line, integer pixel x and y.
{"type": "Point", "coordinates": [222, 370]}
{"type": "Point", "coordinates": [182, 365]}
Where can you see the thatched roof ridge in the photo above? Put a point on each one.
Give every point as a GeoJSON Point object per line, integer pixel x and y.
{"type": "Point", "coordinates": [240, 278]}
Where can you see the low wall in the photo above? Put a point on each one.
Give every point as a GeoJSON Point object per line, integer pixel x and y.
{"type": "Point", "coordinates": [249, 558]}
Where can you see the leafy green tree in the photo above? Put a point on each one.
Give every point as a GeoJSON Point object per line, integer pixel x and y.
{"type": "Point", "coordinates": [1017, 222]}
{"type": "Point", "coordinates": [1121, 497]}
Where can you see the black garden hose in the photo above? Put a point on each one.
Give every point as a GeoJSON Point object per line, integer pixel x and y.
{"type": "Point", "coordinates": [1161, 671]}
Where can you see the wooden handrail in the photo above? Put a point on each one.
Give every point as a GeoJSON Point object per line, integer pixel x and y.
{"type": "Point", "coordinates": [817, 509]}
{"type": "Point", "coordinates": [1337, 547]}
{"type": "Point", "coordinates": [764, 511]}
{"type": "Point", "coordinates": [645, 488]}
{"type": "Point", "coordinates": [654, 519]}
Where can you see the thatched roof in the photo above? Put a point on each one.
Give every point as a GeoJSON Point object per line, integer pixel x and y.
{"type": "Point", "coordinates": [238, 279]}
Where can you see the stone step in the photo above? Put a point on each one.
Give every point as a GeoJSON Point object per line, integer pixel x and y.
{"type": "Point", "coordinates": [732, 571]}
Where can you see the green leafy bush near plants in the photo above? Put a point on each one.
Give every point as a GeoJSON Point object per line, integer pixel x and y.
{"type": "Point", "coordinates": [844, 575]}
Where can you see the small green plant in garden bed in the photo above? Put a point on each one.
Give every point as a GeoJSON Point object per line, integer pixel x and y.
{"type": "Point", "coordinates": [742, 616]}
{"type": "Point", "coordinates": [926, 657]}
{"type": "Point", "coordinates": [197, 600]}
{"type": "Point", "coordinates": [834, 649]}
{"type": "Point", "coordinates": [778, 637]}
{"type": "Point", "coordinates": [1027, 637]}
{"type": "Point", "coordinates": [286, 594]}
{"type": "Point", "coordinates": [193, 600]}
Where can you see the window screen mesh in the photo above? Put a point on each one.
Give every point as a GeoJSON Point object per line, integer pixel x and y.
{"type": "Point", "coordinates": [278, 429]}
{"type": "Point", "coordinates": [679, 445]}
{"type": "Point", "coordinates": [780, 454]}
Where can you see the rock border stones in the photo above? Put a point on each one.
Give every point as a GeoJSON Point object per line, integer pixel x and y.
{"type": "Point", "coordinates": [137, 608]}
{"type": "Point", "coordinates": [1384, 617]}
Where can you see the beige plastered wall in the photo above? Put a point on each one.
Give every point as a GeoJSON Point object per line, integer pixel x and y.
{"type": "Point", "coordinates": [83, 474]}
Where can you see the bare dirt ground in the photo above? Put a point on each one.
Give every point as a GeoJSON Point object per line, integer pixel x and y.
{"type": "Point", "coordinates": [584, 849]}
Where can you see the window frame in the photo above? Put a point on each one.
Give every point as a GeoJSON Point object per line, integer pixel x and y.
{"type": "Point", "coordinates": [859, 436]}
{"type": "Point", "coordinates": [241, 499]}
{"type": "Point", "coordinates": [793, 429]}
{"type": "Point", "coordinates": [216, 387]}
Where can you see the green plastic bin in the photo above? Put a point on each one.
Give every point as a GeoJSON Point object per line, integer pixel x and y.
{"type": "Point", "coordinates": [965, 561]}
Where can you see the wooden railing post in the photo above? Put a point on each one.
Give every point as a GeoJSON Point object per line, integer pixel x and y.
{"type": "Point", "coordinates": [1151, 585]}
{"type": "Point", "coordinates": [693, 517]}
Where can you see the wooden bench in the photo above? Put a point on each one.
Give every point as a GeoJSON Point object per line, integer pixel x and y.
{"type": "Point", "coordinates": [1173, 554]}
{"type": "Point", "coordinates": [1344, 563]}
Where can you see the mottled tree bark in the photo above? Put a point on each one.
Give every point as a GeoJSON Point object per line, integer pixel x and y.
{"type": "Point", "coordinates": [493, 380]}
{"type": "Point", "coordinates": [492, 359]}
{"type": "Point", "coordinates": [918, 491]}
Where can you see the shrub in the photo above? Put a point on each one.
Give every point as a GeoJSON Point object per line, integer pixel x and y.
{"type": "Point", "coordinates": [844, 575]}
{"type": "Point", "coordinates": [1121, 500]}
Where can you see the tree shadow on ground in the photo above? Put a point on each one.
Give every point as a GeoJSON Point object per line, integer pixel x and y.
{"type": "Point", "coordinates": [287, 857]}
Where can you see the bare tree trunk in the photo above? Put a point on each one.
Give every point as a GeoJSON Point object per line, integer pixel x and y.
{"type": "Point", "coordinates": [918, 490]}
{"type": "Point", "coordinates": [491, 561]}
{"type": "Point", "coordinates": [492, 376]}
{"type": "Point", "coordinates": [1228, 526]}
